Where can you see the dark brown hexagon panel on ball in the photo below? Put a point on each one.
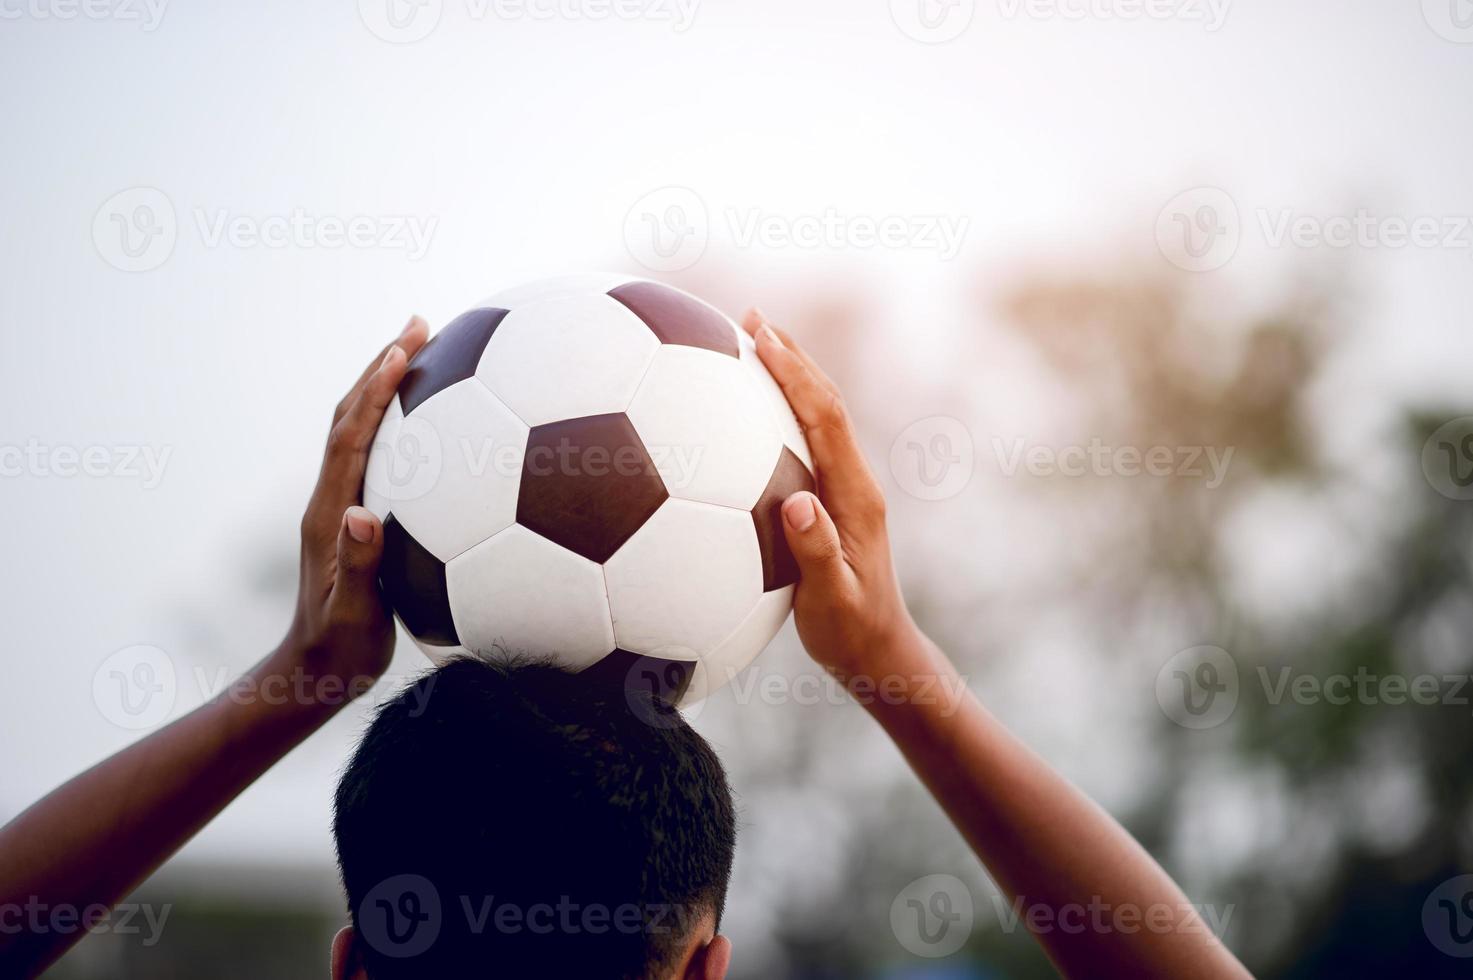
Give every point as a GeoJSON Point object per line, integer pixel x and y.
{"type": "Point", "coordinates": [413, 581]}
{"type": "Point", "coordinates": [451, 355]}
{"type": "Point", "coordinates": [779, 568]}
{"type": "Point", "coordinates": [588, 484]}
{"type": "Point", "coordinates": [677, 318]}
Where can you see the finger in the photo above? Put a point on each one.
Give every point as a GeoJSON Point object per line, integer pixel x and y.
{"type": "Point", "coordinates": [818, 407]}
{"type": "Point", "coordinates": [814, 541]}
{"type": "Point", "coordinates": [360, 547]}
{"type": "Point", "coordinates": [410, 340]}
{"type": "Point", "coordinates": [755, 320]}
{"type": "Point", "coordinates": [346, 458]}
{"type": "Point", "coordinates": [848, 486]}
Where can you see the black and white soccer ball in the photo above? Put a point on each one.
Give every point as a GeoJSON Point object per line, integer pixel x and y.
{"type": "Point", "coordinates": [591, 469]}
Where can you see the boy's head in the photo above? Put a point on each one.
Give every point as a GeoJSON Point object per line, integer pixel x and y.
{"type": "Point", "coordinates": [517, 820]}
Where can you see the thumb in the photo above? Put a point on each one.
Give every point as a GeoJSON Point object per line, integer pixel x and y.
{"type": "Point", "coordinates": [360, 546]}
{"type": "Point", "coordinates": [814, 541]}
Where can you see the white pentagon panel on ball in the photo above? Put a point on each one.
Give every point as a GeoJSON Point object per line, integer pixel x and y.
{"type": "Point", "coordinates": [685, 581]}
{"type": "Point", "coordinates": [439, 656]}
{"type": "Point", "coordinates": [532, 292]}
{"type": "Point", "coordinates": [519, 593]}
{"type": "Point", "coordinates": [706, 426]}
{"type": "Point", "coordinates": [379, 475]}
{"type": "Point", "coordinates": [782, 412]}
{"type": "Point", "coordinates": [480, 444]}
{"type": "Point", "coordinates": [736, 653]}
{"type": "Point", "coordinates": [567, 356]}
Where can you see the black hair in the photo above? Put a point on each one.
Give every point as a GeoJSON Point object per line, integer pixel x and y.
{"type": "Point", "coordinates": [513, 819]}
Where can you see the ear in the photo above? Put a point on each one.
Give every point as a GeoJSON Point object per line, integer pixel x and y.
{"type": "Point", "coordinates": [346, 963]}
{"type": "Point", "coordinates": [712, 962]}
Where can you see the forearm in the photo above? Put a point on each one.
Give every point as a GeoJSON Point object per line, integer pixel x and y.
{"type": "Point", "coordinates": [96, 838]}
{"type": "Point", "coordinates": [1046, 844]}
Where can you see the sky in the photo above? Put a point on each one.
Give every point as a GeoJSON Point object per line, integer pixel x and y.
{"type": "Point", "coordinates": [503, 146]}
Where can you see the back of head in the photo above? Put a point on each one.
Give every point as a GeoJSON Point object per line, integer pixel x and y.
{"type": "Point", "coordinates": [517, 820]}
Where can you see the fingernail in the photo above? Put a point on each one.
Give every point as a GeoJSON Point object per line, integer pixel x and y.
{"type": "Point", "coordinates": [360, 525]}
{"type": "Point", "coordinates": [394, 349]}
{"type": "Point", "coordinates": [766, 331]}
{"type": "Point", "coordinates": [799, 511]}
{"type": "Point", "coordinates": [409, 327]}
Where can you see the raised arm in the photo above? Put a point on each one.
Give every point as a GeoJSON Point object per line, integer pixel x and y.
{"type": "Point", "coordinates": [1044, 842]}
{"type": "Point", "coordinates": [92, 841]}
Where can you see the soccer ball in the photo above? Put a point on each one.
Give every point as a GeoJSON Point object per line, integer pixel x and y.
{"type": "Point", "coordinates": [591, 469]}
